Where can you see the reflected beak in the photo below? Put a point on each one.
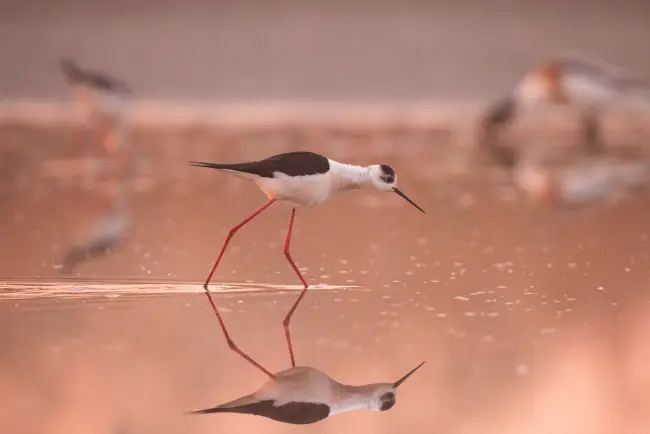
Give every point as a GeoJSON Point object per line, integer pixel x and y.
{"type": "Point", "coordinates": [398, 191]}
{"type": "Point", "coordinates": [401, 380]}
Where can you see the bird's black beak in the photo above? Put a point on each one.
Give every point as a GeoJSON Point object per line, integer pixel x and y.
{"type": "Point", "coordinates": [401, 380]}
{"type": "Point", "coordinates": [398, 191]}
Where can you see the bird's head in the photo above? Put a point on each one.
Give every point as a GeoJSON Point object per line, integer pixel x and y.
{"type": "Point", "coordinates": [384, 395]}
{"type": "Point", "coordinates": [383, 178]}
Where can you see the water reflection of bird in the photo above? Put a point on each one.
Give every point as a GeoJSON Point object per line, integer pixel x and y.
{"type": "Point", "coordinates": [107, 231]}
{"type": "Point", "coordinates": [304, 395]}
{"type": "Point", "coordinates": [590, 84]}
{"type": "Point", "coordinates": [101, 99]}
{"type": "Point", "coordinates": [593, 178]}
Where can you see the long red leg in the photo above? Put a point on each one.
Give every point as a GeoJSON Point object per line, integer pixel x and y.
{"type": "Point", "coordinates": [231, 233]}
{"type": "Point", "coordinates": [287, 319]}
{"type": "Point", "coordinates": [230, 342]}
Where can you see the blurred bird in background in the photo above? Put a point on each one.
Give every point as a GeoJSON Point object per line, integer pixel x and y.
{"type": "Point", "coordinates": [101, 101]}
{"type": "Point", "coordinates": [110, 216]}
{"type": "Point", "coordinates": [569, 79]}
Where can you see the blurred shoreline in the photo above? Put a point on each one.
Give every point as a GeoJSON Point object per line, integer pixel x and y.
{"type": "Point", "coordinates": [446, 115]}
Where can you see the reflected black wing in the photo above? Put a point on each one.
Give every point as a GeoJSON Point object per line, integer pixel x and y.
{"type": "Point", "coordinates": [298, 413]}
{"type": "Point", "coordinates": [79, 254]}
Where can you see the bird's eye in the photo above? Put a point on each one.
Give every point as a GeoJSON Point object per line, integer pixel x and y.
{"type": "Point", "coordinates": [389, 179]}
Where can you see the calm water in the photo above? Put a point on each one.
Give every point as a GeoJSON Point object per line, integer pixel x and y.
{"type": "Point", "coordinates": [530, 320]}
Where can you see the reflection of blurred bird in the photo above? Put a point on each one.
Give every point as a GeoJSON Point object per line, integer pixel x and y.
{"type": "Point", "coordinates": [304, 395]}
{"type": "Point", "coordinates": [581, 184]}
{"type": "Point", "coordinates": [100, 98]}
{"type": "Point", "coordinates": [592, 179]}
{"type": "Point", "coordinates": [107, 232]}
{"type": "Point", "coordinates": [568, 79]}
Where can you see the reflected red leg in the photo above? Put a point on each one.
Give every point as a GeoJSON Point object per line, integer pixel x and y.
{"type": "Point", "coordinates": [287, 319]}
{"type": "Point", "coordinates": [230, 342]}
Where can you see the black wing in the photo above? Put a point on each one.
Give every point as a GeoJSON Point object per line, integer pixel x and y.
{"type": "Point", "coordinates": [290, 163]}
{"type": "Point", "coordinates": [299, 413]}
{"type": "Point", "coordinates": [102, 81]}
{"type": "Point", "coordinates": [93, 78]}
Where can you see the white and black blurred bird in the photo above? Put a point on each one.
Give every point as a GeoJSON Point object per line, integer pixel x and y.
{"type": "Point", "coordinates": [101, 100]}
{"type": "Point", "coordinates": [304, 395]}
{"type": "Point", "coordinates": [589, 84]}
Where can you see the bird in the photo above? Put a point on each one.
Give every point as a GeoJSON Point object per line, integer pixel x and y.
{"type": "Point", "coordinates": [592, 179]}
{"type": "Point", "coordinates": [101, 98]}
{"type": "Point", "coordinates": [305, 395]}
{"type": "Point", "coordinates": [301, 179]}
{"type": "Point", "coordinates": [569, 78]}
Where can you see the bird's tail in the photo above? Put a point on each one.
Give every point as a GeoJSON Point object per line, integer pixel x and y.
{"type": "Point", "coordinates": [246, 404]}
{"type": "Point", "coordinates": [217, 166]}
{"type": "Point", "coordinates": [216, 409]}
{"type": "Point", "coordinates": [257, 408]}
{"type": "Point", "coordinates": [236, 167]}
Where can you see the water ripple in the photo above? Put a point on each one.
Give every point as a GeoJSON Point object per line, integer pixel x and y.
{"type": "Point", "coordinates": [19, 290]}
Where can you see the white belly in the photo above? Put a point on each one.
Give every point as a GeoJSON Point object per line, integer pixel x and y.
{"type": "Point", "coordinates": [301, 191]}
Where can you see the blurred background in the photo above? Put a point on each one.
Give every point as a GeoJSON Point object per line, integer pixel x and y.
{"type": "Point", "coordinates": [531, 311]}
{"type": "Point", "coordinates": [252, 50]}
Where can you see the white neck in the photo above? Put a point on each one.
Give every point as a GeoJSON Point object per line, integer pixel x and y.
{"type": "Point", "coordinates": [352, 398]}
{"type": "Point", "coordinates": [348, 176]}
